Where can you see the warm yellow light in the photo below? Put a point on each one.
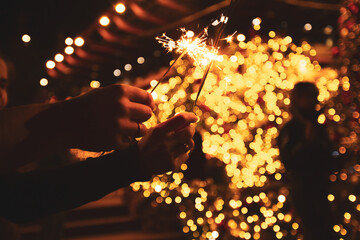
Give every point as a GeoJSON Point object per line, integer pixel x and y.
{"type": "Point", "coordinates": [307, 27]}
{"type": "Point", "coordinates": [272, 34]}
{"type": "Point", "coordinates": [69, 50]}
{"type": "Point", "coordinates": [140, 60]}
{"type": "Point", "coordinates": [95, 84]}
{"type": "Point", "coordinates": [44, 82]}
{"type": "Point", "coordinates": [104, 21]}
{"type": "Point", "coordinates": [331, 197]}
{"type": "Point", "coordinates": [215, 234]}
{"type": "Point", "coordinates": [295, 225]}
{"type": "Point", "coordinates": [321, 118]}
{"type": "Point", "coordinates": [69, 41]}
{"type": "Point", "coordinates": [158, 188]}
{"type": "Point", "coordinates": [128, 67]}
{"type": "Point", "coordinates": [26, 38]}
{"type": "Point", "coordinates": [59, 57]}
{"type": "Point", "coordinates": [347, 215]}
{"type": "Point", "coordinates": [352, 198]}
{"type": "Point", "coordinates": [50, 64]}
{"type": "Point", "coordinates": [79, 41]}
{"type": "Point", "coordinates": [117, 72]}
{"type": "Point", "coordinates": [120, 8]}
{"type": "Point", "coordinates": [256, 21]}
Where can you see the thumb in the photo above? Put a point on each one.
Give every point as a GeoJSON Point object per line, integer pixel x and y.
{"type": "Point", "coordinates": [176, 123]}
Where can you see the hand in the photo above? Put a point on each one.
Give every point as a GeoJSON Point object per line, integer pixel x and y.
{"type": "Point", "coordinates": [107, 118]}
{"type": "Point", "coordinates": [167, 142]}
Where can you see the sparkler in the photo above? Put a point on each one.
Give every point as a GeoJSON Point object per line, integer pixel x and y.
{"type": "Point", "coordinates": [196, 47]}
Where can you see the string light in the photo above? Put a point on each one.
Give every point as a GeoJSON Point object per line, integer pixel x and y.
{"type": "Point", "coordinates": [79, 41]}
{"type": "Point", "coordinates": [128, 67]}
{"type": "Point", "coordinates": [307, 27]}
{"type": "Point", "coordinates": [50, 64]}
{"type": "Point", "coordinates": [59, 57]}
{"type": "Point", "coordinates": [69, 41]}
{"type": "Point", "coordinates": [104, 21]}
{"type": "Point", "coordinates": [117, 72]}
{"type": "Point", "coordinates": [140, 60]}
{"type": "Point", "coordinates": [44, 82]}
{"type": "Point", "coordinates": [26, 38]}
{"type": "Point", "coordinates": [94, 84]}
{"type": "Point", "coordinates": [69, 50]}
{"type": "Point", "coordinates": [120, 8]}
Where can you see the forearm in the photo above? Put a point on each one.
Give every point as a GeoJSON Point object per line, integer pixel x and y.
{"type": "Point", "coordinates": [32, 195]}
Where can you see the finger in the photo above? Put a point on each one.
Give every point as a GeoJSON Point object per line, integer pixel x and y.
{"type": "Point", "coordinates": [176, 123]}
{"type": "Point", "coordinates": [183, 135]}
{"type": "Point", "coordinates": [132, 129]}
{"type": "Point", "coordinates": [139, 96]}
{"type": "Point", "coordinates": [181, 159]}
{"type": "Point", "coordinates": [180, 149]}
{"type": "Point", "coordinates": [139, 112]}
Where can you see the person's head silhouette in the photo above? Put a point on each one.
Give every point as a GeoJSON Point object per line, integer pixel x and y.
{"type": "Point", "coordinates": [303, 100]}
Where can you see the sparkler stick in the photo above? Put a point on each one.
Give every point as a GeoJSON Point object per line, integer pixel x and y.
{"type": "Point", "coordinates": [217, 40]}
{"type": "Point", "coordinates": [167, 71]}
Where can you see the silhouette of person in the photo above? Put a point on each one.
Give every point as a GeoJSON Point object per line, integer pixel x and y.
{"type": "Point", "coordinates": [305, 150]}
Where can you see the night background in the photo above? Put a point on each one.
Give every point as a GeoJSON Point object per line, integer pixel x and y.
{"type": "Point", "coordinates": [234, 185]}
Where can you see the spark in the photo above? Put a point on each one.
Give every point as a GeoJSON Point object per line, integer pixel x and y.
{"type": "Point", "coordinates": [229, 38]}
{"type": "Point", "coordinates": [195, 47]}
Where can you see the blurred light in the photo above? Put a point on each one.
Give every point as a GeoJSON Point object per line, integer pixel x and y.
{"type": "Point", "coordinates": [79, 41]}
{"type": "Point", "coordinates": [307, 27]}
{"type": "Point", "coordinates": [104, 21]}
{"type": "Point", "coordinates": [257, 27]}
{"type": "Point", "coordinates": [241, 37]}
{"type": "Point", "coordinates": [352, 198]}
{"type": "Point", "coordinates": [120, 8]}
{"type": "Point", "coordinates": [190, 34]}
{"type": "Point", "coordinates": [69, 41]}
{"type": "Point", "coordinates": [50, 64]}
{"type": "Point", "coordinates": [215, 234]}
{"type": "Point", "coordinates": [256, 21]}
{"type": "Point", "coordinates": [331, 197]}
{"type": "Point", "coordinates": [336, 228]}
{"type": "Point", "coordinates": [153, 83]}
{"type": "Point", "coordinates": [272, 34]}
{"type": "Point", "coordinates": [26, 38]}
{"type": "Point", "coordinates": [140, 60]}
{"type": "Point", "coordinates": [69, 50]}
{"type": "Point", "coordinates": [117, 72]}
{"type": "Point", "coordinates": [44, 82]}
{"type": "Point", "coordinates": [158, 188]}
{"type": "Point", "coordinates": [59, 57]}
{"type": "Point", "coordinates": [94, 84]}
{"type": "Point", "coordinates": [328, 29]}
{"type": "Point", "coordinates": [281, 198]}
{"type": "Point", "coordinates": [128, 67]}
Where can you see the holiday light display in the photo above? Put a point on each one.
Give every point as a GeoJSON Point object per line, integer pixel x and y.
{"type": "Point", "coordinates": [242, 105]}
